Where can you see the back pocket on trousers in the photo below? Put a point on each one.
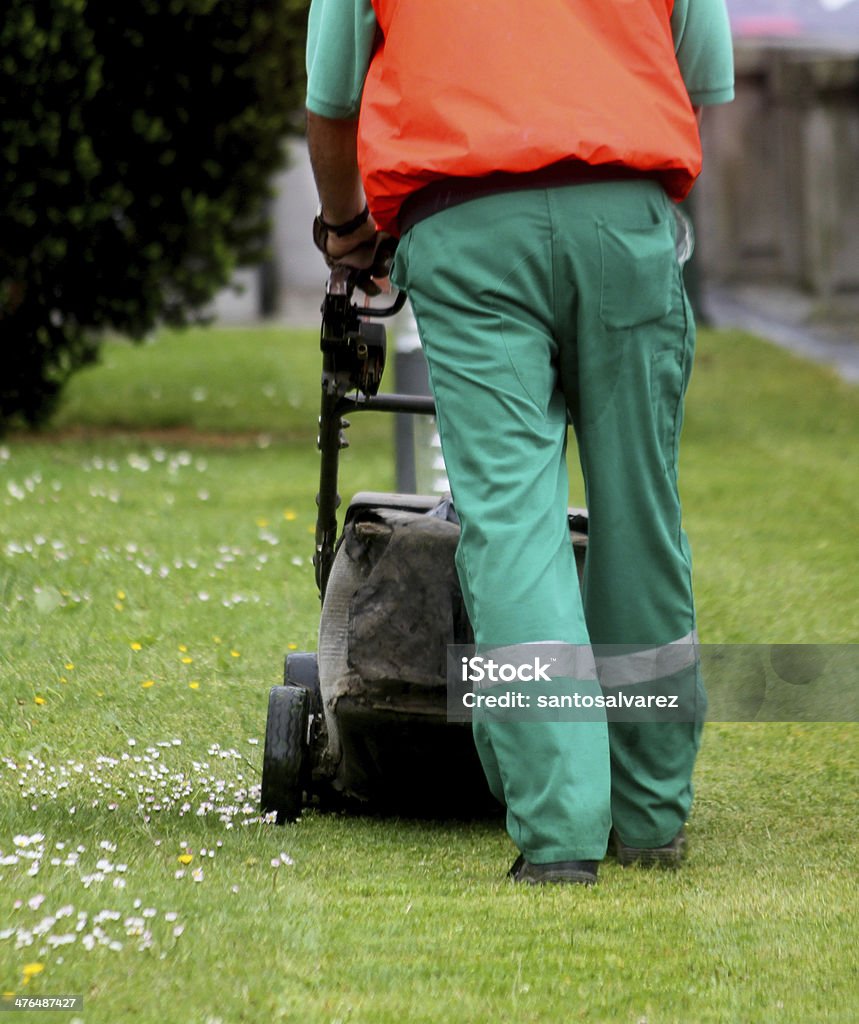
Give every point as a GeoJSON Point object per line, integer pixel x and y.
{"type": "Point", "coordinates": [639, 268]}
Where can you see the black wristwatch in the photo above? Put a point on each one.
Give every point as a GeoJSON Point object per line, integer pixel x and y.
{"type": "Point", "coordinates": [341, 230]}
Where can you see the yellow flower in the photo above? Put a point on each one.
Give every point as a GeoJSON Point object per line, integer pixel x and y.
{"type": "Point", "coordinates": [68, 666]}
{"type": "Point", "coordinates": [136, 646]}
{"type": "Point", "coordinates": [185, 858]}
{"type": "Point", "coordinates": [40, 700]}
{"type": "Point", "coordinates": [183, 648]}
{"type": "Point", "coordinates": [235, 654]}
{"type": "Point", "coordinates": [194, 686]}
{"type": "Point", "coordinates": [187, 661]}
{"type": "Point", "coordinates": [148, 683]}
{"type": "Point", "coordinates": [290, 516]}
{"type": "Point", "coordinates": [63, 679]}
{"type": "Point", "coordinates": [30, 971]}
{"type": "Point", "coordinates": [120, 595]}
{"type": "Point", "coordinates": [292, 647]}
{"type": "Point", "coordinates": [119, 606]}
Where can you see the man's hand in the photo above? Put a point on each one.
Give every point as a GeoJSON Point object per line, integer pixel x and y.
{"type": "Point", "coordinates": [357, 249]}
{"type": "Point", "coordinates": [365, 249]}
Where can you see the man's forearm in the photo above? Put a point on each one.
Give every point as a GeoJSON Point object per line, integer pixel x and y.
{"type": "Point", "coordinates": [334, 159]}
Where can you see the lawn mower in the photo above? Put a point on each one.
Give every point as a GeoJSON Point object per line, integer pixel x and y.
{"type": "Point", "coordinates": [363, 721]}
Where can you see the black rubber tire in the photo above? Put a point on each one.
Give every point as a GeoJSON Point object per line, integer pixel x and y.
{"type": "Point", "coordinates": [300, 668]}
{"type": "Point", "coordinates": [284, 763]}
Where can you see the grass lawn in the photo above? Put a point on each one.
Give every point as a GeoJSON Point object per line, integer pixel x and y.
{"type": "Point", "coordinates": [155, 566]}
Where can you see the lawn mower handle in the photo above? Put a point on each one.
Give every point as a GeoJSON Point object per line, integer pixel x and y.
{"type": "Point", "coordinates": [353, 361]}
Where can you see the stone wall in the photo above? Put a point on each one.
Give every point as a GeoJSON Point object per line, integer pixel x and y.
{"type": "Point", "coordinates": [778, 202]}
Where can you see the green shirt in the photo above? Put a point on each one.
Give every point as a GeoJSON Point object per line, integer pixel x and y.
{"type": "Point", "coordinates": [341, 35]}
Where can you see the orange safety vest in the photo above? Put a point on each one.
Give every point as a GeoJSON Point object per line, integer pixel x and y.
{"type": "Point", "coordinates": [465, 88]}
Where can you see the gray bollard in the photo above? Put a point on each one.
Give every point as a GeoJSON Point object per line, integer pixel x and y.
{"type": "Point", "coordinates": [419, 463]}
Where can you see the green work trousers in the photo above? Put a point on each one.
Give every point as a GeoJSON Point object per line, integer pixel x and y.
{"type": "Point", "coordinates": [538, 308]}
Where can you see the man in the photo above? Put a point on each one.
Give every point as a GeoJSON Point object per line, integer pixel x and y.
{"type": "Point", "coordinates": [528, 157]}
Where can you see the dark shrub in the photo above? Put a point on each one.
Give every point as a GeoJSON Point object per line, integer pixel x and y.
{"type": "Point", "coordinates": [137, 142]}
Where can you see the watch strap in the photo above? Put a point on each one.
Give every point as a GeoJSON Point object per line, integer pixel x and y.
{"type": "Point", "coordinates": [347, 227]}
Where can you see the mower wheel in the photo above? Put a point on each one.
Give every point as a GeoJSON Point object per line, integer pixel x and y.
{"type": "Point", "coordinates": [285, 760]}
{"type": "Point", "coordinates": [300, 668]}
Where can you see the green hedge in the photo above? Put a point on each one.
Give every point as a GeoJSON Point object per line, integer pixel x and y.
{"type": "Point", "coordinates": [137, 142]}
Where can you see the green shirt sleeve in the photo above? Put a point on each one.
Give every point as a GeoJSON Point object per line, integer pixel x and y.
{"type": "Point", "coordinates": [340, 38]}
{"type": "Point", "coordinates": [704, 48]}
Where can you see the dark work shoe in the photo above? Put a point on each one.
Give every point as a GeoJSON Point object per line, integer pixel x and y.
{"type": "Point", "coordinates": [668, 856]}
{"type": "Point", "coordinates": [569, 872]}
